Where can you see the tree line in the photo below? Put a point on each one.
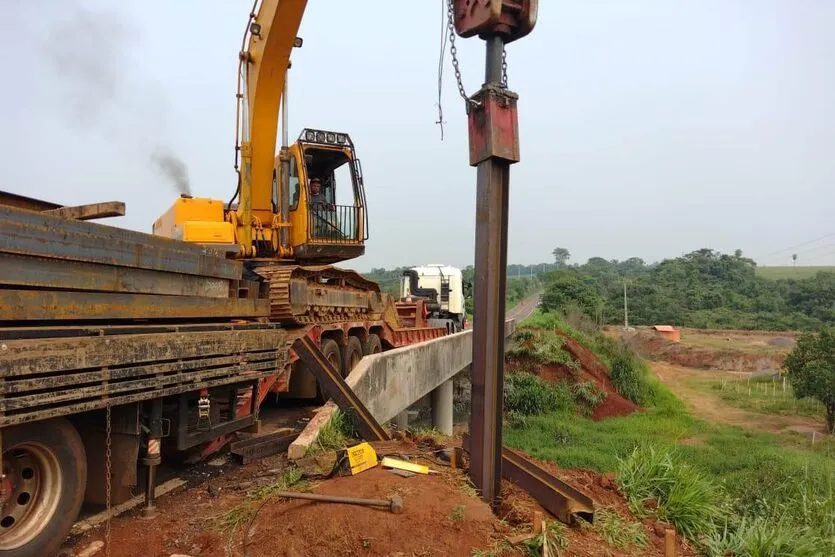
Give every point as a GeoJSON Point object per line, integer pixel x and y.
{"type": "Point", "coordinates": [702, 289]}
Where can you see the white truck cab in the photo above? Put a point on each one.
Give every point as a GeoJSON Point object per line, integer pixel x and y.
{"type": "Point", "coordinates": [444, 286]}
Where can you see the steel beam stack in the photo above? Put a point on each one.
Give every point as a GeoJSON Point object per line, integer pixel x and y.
{"type": "Point", "coordinates": [59, 270]}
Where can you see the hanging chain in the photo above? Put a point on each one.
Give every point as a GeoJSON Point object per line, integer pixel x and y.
{"type": "Point", "coordinates": [504, 67]}
{"type": "Point", "coordinates": [107, 465]}
{"type": "Point", "coordinates": [454, 52]}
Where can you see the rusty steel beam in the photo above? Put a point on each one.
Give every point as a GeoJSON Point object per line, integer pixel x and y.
{"type": "Point", "coordinates": [89, 212]}
{"type": "Point", "coordinates": [56, 305]}
{"type": "Point", "coordinates": [38, 234]}
{"type": "Point", "coordinates": [26, 271]}
{"type": "Point", "coordinates": [336, 388]}
{"type": "Point", "coordinates": [20, 358]}
{"type": "Point", "coordinates": [45, 378]}
{"type": "Point", "coordinates": [261, 446]}
{"type": "Point", "coordinates": [556, 496]}
{"type": "Point", "coordinates": [494, 146]}
{"type": "Point", "coordinates": [9, 199]}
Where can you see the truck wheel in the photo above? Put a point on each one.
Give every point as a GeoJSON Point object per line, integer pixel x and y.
{"type": "Point", "coordinates": [352, 355]}
{"type": "Point", "coordinates": [45, 469]}
{"type": "Point", "coordinates": [372, 345]}
{"type": "Point", "coordinates": [332, 353]}
{"type": "Point", "coordinates": [330, 349]}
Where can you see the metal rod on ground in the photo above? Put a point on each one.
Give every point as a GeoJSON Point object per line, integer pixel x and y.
{"type": "Point", "coordinates": [395, 504]}
{"type": "Point", "coordinates": [493, 177]}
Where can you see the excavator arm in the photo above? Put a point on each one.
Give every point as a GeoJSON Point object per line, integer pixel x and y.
{"type": "Point", "coordinates": [270, 37]}
{"type": "Point", "coordinates": [275, 217]}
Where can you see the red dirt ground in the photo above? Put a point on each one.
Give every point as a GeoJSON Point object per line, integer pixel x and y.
{"type": "Point", "coordinates": [656, 348]}
{"type": "Point", "coordinates": [591, 369]}
{"type": "Point", "coordinates": [518, 508]}
{"type": "Point", "coordinates": [439, 518]}
{"type": "Point", "coordinates": [191, 521]}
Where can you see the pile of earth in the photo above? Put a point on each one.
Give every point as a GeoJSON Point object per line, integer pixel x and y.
{"type": "Point", "coordinates": [587, 367]}
{"type": "Point", "coordinates": [654, 347]}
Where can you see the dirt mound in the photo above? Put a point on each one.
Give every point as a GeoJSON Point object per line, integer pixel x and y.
{"type": "Point", "coordinates": [656, 348]}
{"type": "Point", "coordinates": [589, 368]}
{"type": "Point", "coordinates": [517, 508]}
{"type": "Point", "coordinates": [439, 517]}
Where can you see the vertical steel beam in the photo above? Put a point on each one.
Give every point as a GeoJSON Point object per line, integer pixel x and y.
{"type": "Point", "coordinates": [488, 326]}
{"type": "Point", "coordinates": [493, 148]}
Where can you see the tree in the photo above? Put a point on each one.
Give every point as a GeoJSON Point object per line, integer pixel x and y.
{"type": "Point", "coordinates": [811, 370]}
{"type": "Point", "coordinates": [565, 290]}
{"type": "Point", "coordinates": [561, 256]}
{"type": "Point", "coordinates": [794, 259]}
{"type": "Point", "coordinates": [737, 253]}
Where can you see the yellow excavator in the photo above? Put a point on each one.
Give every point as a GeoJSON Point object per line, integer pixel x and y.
{"type": "Point", "coordinates": [284, 219]}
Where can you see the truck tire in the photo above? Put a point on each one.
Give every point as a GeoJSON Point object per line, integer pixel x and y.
{"type": "Point", "coordinates": [46, 474]}
{"type": "Point", "coordinates": [330, 349]}
{"type": "Point", "coordinates": [372, 345]}
{"type": "Point", "coordinates": [351, 356]}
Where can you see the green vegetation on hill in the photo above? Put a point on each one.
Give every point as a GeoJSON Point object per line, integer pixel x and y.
{"type": "Point", "coordinates": [791, 272]}
{"type": "Point", "coordinates": [730, 491]}
{"type": "Point", "coordinates": [702, 289]}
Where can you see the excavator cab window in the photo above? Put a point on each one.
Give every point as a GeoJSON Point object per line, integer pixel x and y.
{"type": "Point", "coordinates": [295, 190]}
{"type": "Point", "coordinates": [338, 219]}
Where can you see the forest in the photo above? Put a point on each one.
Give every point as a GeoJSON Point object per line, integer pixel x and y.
{"type": "Point", "coordinates": [702, 289]}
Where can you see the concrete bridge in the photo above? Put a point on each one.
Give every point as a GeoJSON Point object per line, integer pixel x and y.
{"type": "Point", "coordinates": [390, 382]}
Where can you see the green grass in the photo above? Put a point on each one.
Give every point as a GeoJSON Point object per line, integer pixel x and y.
{"type": "Point", "coordinates": [760, 474]}
{"type": "Point", "coordinates": [790, 271]}
{"type": "Point", "coordinates": [335, 434]}
{"type": "Point", "coordinates": [760, 394]}
{"type": "Point", "coordinates": [616, 531]}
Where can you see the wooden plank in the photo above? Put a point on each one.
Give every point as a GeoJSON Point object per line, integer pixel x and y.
{"type": "Point", "coordinates": [91, 211]}
{"type": "Point", "coordinates": [38, 234]}
{"type": "Point", "coordinates": [24, 270]}
{"type": "Point", "coordinates": [26, 357]}
{"type": "Point", "coordinates": [53, 305]}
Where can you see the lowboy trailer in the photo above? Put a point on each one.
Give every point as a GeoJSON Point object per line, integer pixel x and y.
{"type": "Point", "coordinates": [118, 347]}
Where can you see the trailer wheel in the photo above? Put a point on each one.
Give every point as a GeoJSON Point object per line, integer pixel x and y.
{"type": "Point", "coordinates": [330, 349]}
{"type": "Point", "coordinates": [372, 345]}
{"type": "Point", "coordinates": [45, 470]}
{"type": "Point", "coordinates": [352, 355]}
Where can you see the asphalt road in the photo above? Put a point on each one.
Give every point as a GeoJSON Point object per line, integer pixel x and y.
{"type": "Point", "coordinates": [524, 308]}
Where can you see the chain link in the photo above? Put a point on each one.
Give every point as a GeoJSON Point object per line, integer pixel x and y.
{"type": "Point", "coordinates": [107, 474]}
{"type": "Point", "coordinates": [504, 67]}
{"type": "Point", "coordinates": [454, 52]}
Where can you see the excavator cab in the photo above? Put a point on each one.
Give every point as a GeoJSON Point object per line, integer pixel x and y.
{"type": "Point", "coordinates": [323, 227]}
{"type": "Point", "coordinates": [330, 224]}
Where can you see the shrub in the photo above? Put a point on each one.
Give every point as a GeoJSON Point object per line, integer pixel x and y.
{"type": "Point", "coordinates": [527, 395]}
{"type": "Point", "coordinates": [683, 496]}
{"type": "Point", "coordinates": [587, 395]}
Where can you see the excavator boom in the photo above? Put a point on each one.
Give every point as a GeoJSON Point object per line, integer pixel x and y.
{"type": "Point", "coordinates": [270, 37]}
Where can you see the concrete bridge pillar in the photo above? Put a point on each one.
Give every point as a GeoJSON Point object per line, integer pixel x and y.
{"type": "Point", "coordinates": [441, 400]}
{"type": "Point", "coordinates": [402, 420]}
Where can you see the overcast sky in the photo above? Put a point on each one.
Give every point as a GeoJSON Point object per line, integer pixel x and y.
{"type": "Point", "coordinates": [648, 128]}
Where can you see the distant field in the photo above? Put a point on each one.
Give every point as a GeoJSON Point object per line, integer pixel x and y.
{"type": "Point", "coordinates": [790, 272]}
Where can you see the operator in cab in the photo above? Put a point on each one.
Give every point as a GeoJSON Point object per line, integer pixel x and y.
{"type": "Point", "coordinates": [322, 212]}
{"type": "Point", "coordinates": [317, 197]}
